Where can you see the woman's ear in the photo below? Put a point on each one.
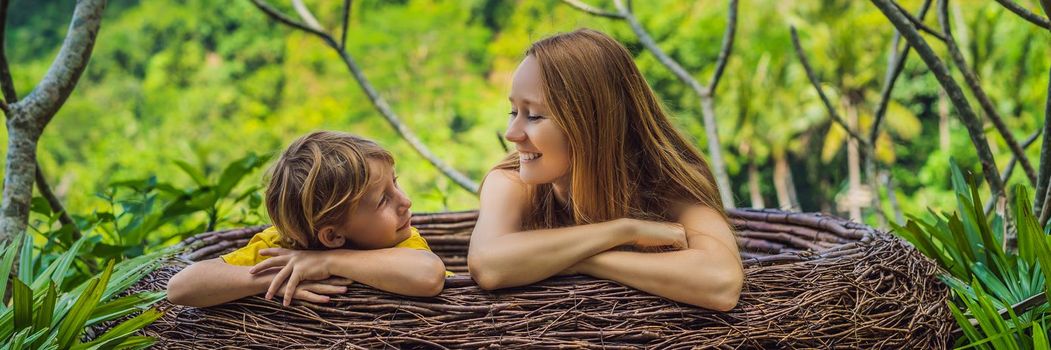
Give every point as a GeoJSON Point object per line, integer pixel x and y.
{"type": "Point", "coordinates": [330, 238]}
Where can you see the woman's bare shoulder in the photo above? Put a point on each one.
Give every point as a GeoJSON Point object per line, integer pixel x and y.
{"type": "Point", "coordinates": [503, 182]}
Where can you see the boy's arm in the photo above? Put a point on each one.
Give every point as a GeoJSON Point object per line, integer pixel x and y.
{"type": "Point", "coordinates": [403, 271]}
{"type": "Point", "coordinates": [213, 282]}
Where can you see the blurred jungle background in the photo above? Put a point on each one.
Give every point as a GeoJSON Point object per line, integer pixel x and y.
{"type": "Point", "coordinates": [184, 103]}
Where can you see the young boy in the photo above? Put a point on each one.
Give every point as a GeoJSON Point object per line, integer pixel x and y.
{"type": "Point", "coordinates": [339, 218]}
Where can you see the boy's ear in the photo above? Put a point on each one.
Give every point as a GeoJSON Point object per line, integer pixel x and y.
{"type": "Point", "coordinates": [330, 238]}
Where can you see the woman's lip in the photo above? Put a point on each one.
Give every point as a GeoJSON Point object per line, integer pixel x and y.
{"type": "Point", "coordinates": [407, 223]}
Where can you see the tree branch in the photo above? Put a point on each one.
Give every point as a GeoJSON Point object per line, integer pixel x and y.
{"type": "Point", "coordinates": [377, 101]}
{"type": "Point", "coordinates": [28, 118]}
{"type": "Point", "coordinates": [1017, 309]}
{"type": "Point", "coordinates": [307, 17]}
{"type": "Point", "coordinates": [7, 85]}
{"type": "Point", "coordinates": [976, 88]}
{"type": "Point", "coordinates": [703, 94]}
{"type": "Point", "coordinates": [1044, 175]}
{"type": "Point", "coordinates": [1025, 14]}
{"type": "Point", "coordinates": [918, 23]}
{"type": "Point", "coordinates": [662, 57]}
{"type": "Point", "coordinates": [56, 86]}
{"type": "Point", "coordinates": [726, 48]}
{"type": "Point", "coordinates": [952, 89]}
{"type": "Point", "coordinates": [832, 113]}
{"type": "Point", "coordinates": [1009, 169]}
{"type": "Point", "coordinates": [54, 203]}
{"type": "Point", "coordinates": [895, 66]}
{"type": "Point", "coordinates": [1043, 189]}
{"type": "Point", "coordinates": [280, 17]}
{"type": "Point", "coordinates": [592, 10]}
{"type": "Point", "coordinates": [346, 21]}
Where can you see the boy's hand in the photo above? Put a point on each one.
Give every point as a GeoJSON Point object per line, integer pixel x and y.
{"type": "Point", "coordinates": [313, 291]}
{"type": "Point", "coordinates": [296, 266]}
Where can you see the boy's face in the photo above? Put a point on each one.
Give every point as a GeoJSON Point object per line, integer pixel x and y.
{"type": "Point", "coordinates": [381, 219]}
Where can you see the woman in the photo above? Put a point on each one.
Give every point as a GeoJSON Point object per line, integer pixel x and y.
{"type": "Point", "coordinates": [601, 184]}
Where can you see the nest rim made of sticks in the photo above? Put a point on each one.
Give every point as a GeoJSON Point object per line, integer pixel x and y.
{"type": "Point", "coordinates": [812, 281]}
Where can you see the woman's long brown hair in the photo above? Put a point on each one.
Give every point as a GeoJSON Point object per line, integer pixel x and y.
{"type": "Point", "coordinates": [628, 160]}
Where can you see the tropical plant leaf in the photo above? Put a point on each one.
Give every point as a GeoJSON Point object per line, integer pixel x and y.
{"type": "Point", "coordinates": [119, 332]}
{"type": "Point", "coordinates": [22, 303]}
{"type": "Point", "coordinates": [5, 266]}
{"type": "Point", "coordinates": [25, 259]}
{"type": "Point", "coordinates": [46, 310]}
{"type": "Point", "coordinates": [195, 174]}
{"type": "Point", "coordinates": [18, 341]}
{"type": "Point", "coordinates": [119, 307]}
{"type": "Point", "coordinates": [73, 322]}
{"type": "Point", "coordinates": [56, 271]}
{"type": "Point", "coordinates": [135, 342]}
{"type": "Point", "coordinates": [1040, 337]}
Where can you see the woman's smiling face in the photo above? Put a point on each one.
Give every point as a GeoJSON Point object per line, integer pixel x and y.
{"type": "Point", "coordinates": [543, 148]}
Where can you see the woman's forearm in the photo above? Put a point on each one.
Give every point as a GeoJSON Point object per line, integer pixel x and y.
{"type": "Point", "coordinates": [403, 271]}
{"type": "Point", "coordinates": [213, 282]}
{"type": "Point", "coordinates": [521, 258]}
{"type": "Point", "coordinates": [707, 278]}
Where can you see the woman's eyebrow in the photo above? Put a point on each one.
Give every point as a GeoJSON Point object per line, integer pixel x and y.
{"type": "Point", "coordinates": [525, 100]}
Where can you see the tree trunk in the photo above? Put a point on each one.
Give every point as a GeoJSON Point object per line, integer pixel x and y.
{"type": "Point", "coordinates": [944, 140]}
{"type": "Point", "coordinates": [715, 152]}
{"type": "Point", "coordinates": [753, 186]}
{"type": "Point", "coordinates": [872, 175]}
{"type": "Point", "coordinates": [892, 197]}
{"type": "Point", "coordinates": [783, 184]}
{"type": "Point", "coordinates": [28, 117]}
{"type": "Point", "coordinates": [854, 189]}
{"type": "Point", "coordinates": [793, 197]}
{"type": "Point", "coordinates": [952, 89]}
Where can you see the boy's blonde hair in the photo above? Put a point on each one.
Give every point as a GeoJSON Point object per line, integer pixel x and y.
{"type": "Point", "coordinates": [318, 180]}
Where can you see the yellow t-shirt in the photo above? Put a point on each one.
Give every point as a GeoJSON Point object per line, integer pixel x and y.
{"type": "Point", "coordinates": [271, 238]}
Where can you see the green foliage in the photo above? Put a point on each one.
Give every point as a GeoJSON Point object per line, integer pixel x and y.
{"type": "Point", "coordinates": [45, 315]}
{"type": "Point", "coordinates": [203, 82]}
{"type": "Point", "coordinates": [146, 214]}
{"type": "Point", "coordinates": [58, 288]}
{"type": "Point", "coordinates": [985, 277]}
{"type": "Point", "coordinates": [178, 92]}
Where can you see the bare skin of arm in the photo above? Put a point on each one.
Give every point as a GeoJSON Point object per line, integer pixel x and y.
{"type": "Point", "coordinates": [501, 255]}
{"type": "Point", "coordinates": [403, 271]}
{"type": "Point", "coordinates": [212, 282]}
{"type": "Point", "coordinates": [707, 274]}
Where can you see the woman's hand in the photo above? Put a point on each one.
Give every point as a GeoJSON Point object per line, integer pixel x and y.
{"type": "Point", "coordinates": [296, 266]}
{"type": "Point", "coordinates": [654, 234]}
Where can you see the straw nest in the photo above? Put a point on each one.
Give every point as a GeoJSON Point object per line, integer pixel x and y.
{"type": "Point", "coordinates": [811, 281]}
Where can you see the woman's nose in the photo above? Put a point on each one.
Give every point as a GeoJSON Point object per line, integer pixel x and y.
{"type": "Point", "coordinates": [514, 133]}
